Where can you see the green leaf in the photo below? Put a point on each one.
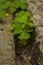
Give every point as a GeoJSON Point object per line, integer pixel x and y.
{"type": "Point", "coordinates": [24, 6]}
{"type": "Point", "coordinates": [5, 5]}
{"type": "Point", "coordinates": [17, 31]}
{"type": "Point", "coordinates": [2, 14]}
{"type": "Point", "coordinates": [21, 17]}
{"type": "Point", "coordinates": [2, 1]}
{"type": "Point", "coordinates": [20, 3]}
{"type": "Point", "coordinates": [12, 9]}
{"type": "Point", "coordinates": [23, 13]}
{"type": "Point", "coordinates": [12, 27]}
{"type": "Point", "coordinates": [18, 25]}
{"type": "Point", "coordinates": [27, 28]}
{"type": "Point", "coordinates": [24, 35]}
{"type": "Point", "coordinates": [31, 24]}
{"type": "Point", "coordinates": [23, 25]}
{"type": "Point", "coordinates": [23, 42]}
{"type": "Point", "coordinates": [18, 28]}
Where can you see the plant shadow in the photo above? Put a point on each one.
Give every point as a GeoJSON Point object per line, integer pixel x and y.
{"type": "Point", "coordinates": [27, 48]}
{"type": "Point", "coordinates": [31, 49]}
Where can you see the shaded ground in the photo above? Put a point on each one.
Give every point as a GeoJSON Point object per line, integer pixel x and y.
{"type": "Point", "coordinates": [24, 54]}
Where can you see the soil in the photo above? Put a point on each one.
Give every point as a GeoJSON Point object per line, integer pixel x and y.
{"type": "Point", "coordinates": [24, 53]}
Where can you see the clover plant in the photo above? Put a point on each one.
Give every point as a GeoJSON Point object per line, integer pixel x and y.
{"type": "Point", "coordinates": [22, 21]}
{"type": "Point", "coordinates": [11, 6]}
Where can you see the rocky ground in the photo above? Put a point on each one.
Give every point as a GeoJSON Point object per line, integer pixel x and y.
{"type": "Point", "coordinates": [7, 52]}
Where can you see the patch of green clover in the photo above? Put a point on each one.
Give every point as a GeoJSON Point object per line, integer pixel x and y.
{"type": "Point", "coordinates": [22, 25]}
{"type": "Point", "coordinates": [11, 6]}
{"type": "Point", "coordinates": [22, 22]}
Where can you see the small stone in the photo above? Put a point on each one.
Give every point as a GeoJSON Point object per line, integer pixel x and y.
{"type": "Point", "coordinates": [41, 47]}
{"type": "Point", "coordinates": [29, 58]}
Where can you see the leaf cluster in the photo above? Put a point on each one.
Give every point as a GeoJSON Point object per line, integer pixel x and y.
{"type": "Point", "coordinates": [11, 6]}
{"type": "Point", "coordinates": [22, 23]}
